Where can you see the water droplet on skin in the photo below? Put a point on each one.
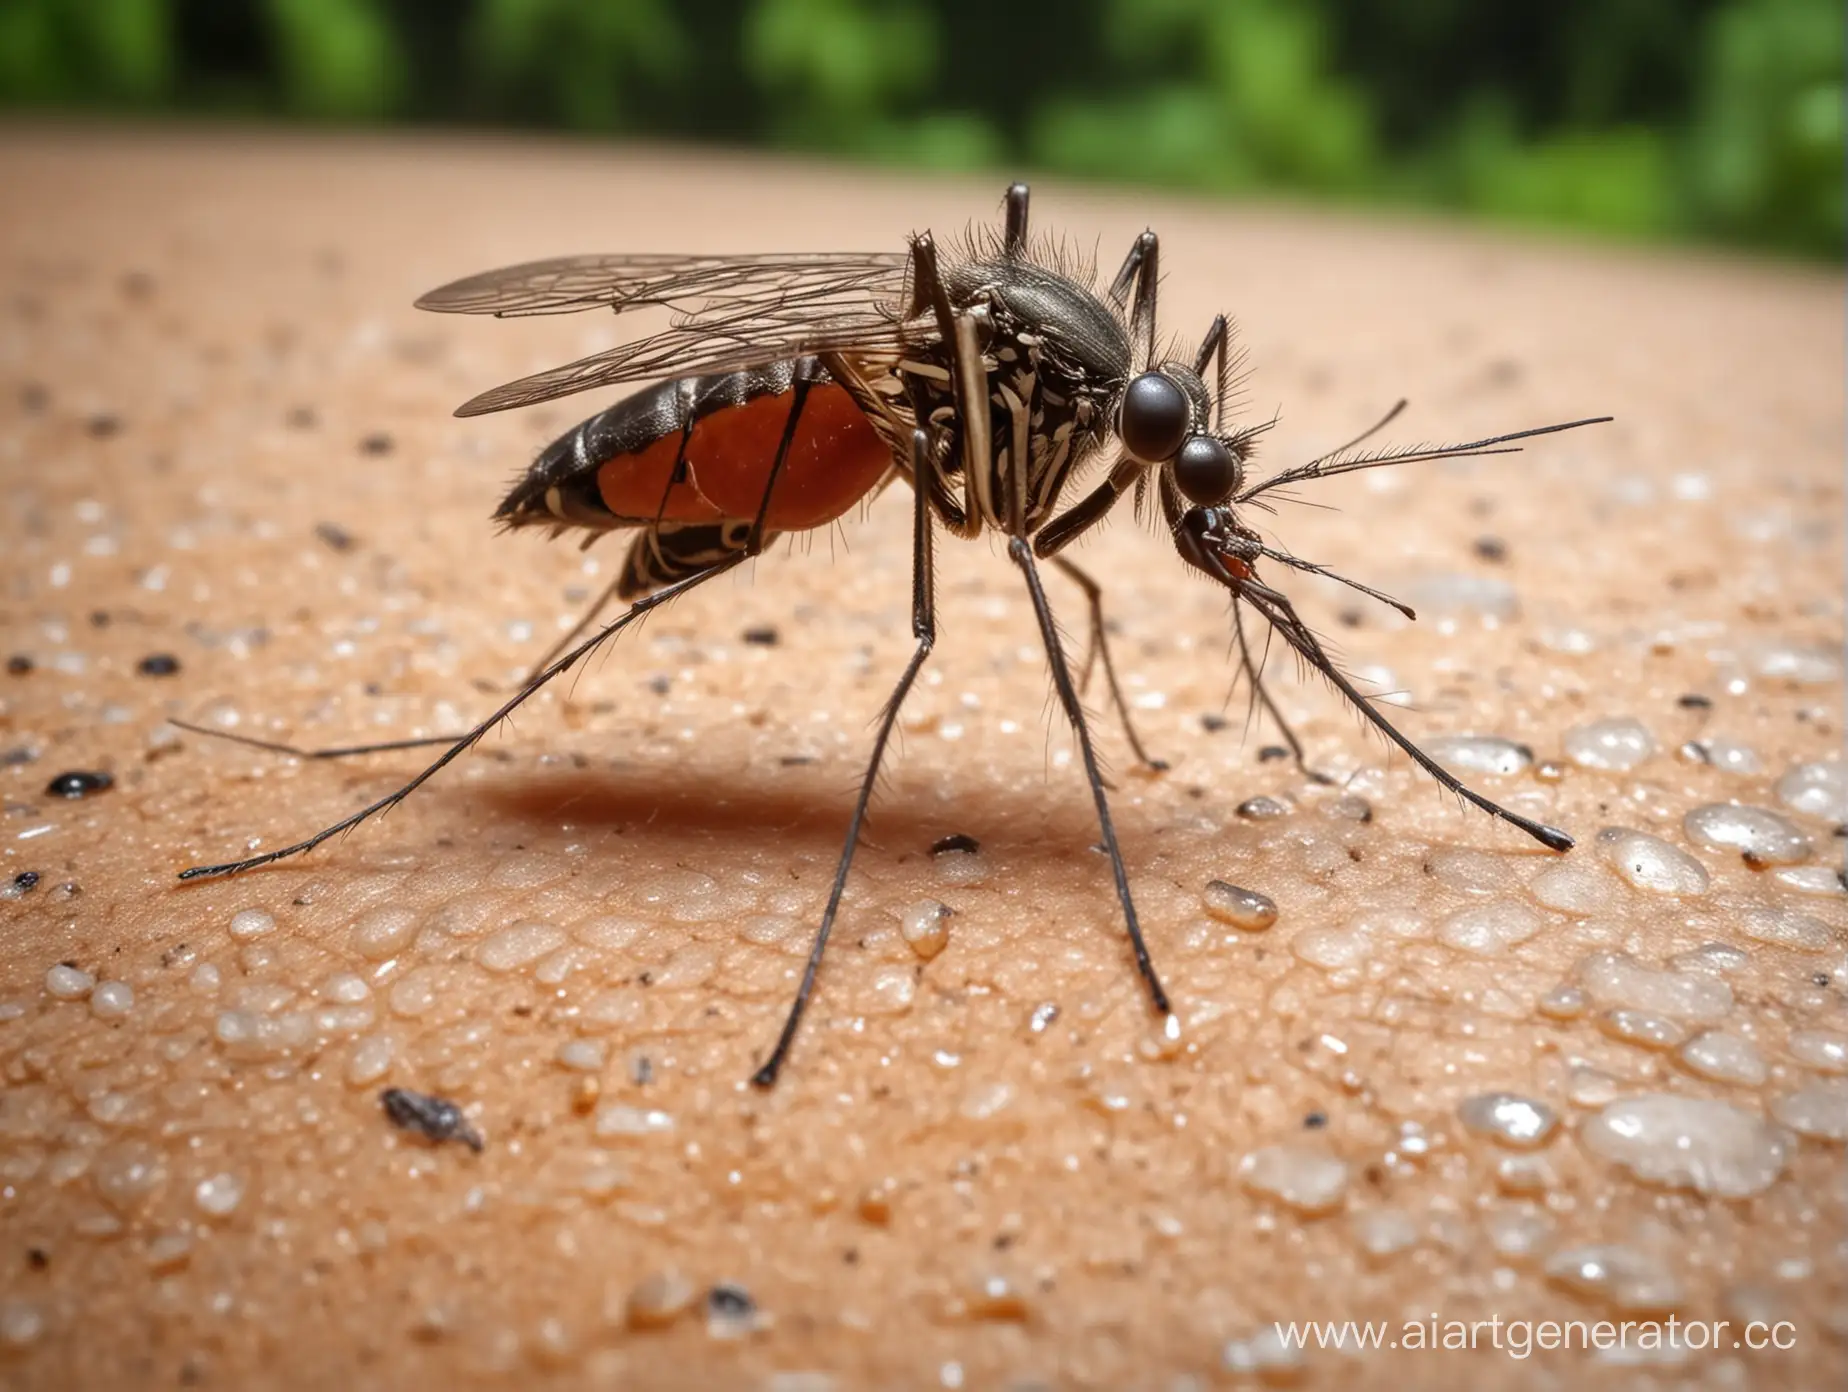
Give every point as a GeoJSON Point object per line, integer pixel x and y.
{"type": "Point", "coordinates": [1563, 1003]}
{"type": "Point", "coordinates": [1525, 1174]}
{"type": "Point", "coordinates": [1617, 981]}
{"type": "Point", "coordinates": [1488, 755]}
{"type": "Point", "coordinates": [112, 1000]}
{"type": "Point", "coordinates": [986, 1100]}
{"type": "Point", "coordinates": [620, 1120]}
{"type": "Point", "coordinates": [1731, 757]}
{"type": "Point", "coordinates": [1616, 744]}
{"type": "Point", "coordinates": [1488, 930]}
{"type": "Point", "coordinates": [1724, 1058]}
{"type": "Point", "coordinates": [1787, 927]}
{"type": "Point", "coordinates": [1816, 790]}
{"type": "Point", "coordinates": [658, 1300]}
{"type": "Point", "coordinates": [1761, 836]}
{"type": "Point", "coordinates": [1519, 1232]}
{"type": "Point", "coordinates": [219, 1194]}
{"type": "Point", "coordinates": [1577, 886]}
{"type": "Point", "coordinates": [21, 1323]}
{"type": "Point", "coordinates": [1264, 1354]}
{"type": "Point", "coordinates": [1382, 1232]}
{"type": "Point", "coordinates": [1307, 1180]}
{"type": "Point", "coordinates": [926, 927]}
{"type": "Point", "coordinates": [1822, 1050]}
{"type": "Point", "coordinates": [1242, 908]}
{"type": "Point", "coordinates": [1508, 1119]}
{"type": "Point", "coordinates": [68, 983]}
{"type": "Point", "coordinates": [248, 924]}
{"type": "Point", "coordinates": [1823, 881]}
{"type": "Point", "coordinates": [1817, 1109]}
{"type": "Point", "coordinates": [1642, 1029]}
{"type": "Point", "coordinates": [1628, 1278]}
{"type": "Point", "coordinates": [1697, 1143]}
{"type": "Point", "coordinates": [1650, 863]}
{"type": "Point", "coordinates": [583, 1055]}
{"type": "Point", "coordinates": [518, 945]}
{"type": "Point", "coordinates": [382, 932]}
{"type": "Point", "coordinates": [1262, 809]}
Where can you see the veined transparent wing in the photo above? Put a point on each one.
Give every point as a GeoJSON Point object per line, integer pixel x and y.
{"type": "Point", "coordinates": [729, 312]}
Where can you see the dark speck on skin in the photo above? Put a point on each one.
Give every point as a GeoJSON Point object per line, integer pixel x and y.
{"type": "Point", "coordinates": [1212, 722]}
{"type": "Point", "coordinates": [78, 783]}
{"type": "Point", "coordinates": [764, 636]}
{"type": "Point", "coordinates": [18, 665]}
{"type": "Point", "coordinates": [1270, 753]}
{"type": "Point", "coordinates": [300, 418]}
{"type": "Point", "coordinates": [378, 442]}
{"type": "Point", "coordinates": [1491, 548]}
{"type": "Point", "coordinates": [435, 1118]}
{"type": "Point", "coordinates": [334, 536]}
{"type": "Point", "coordinates": [101, 427]}
{"type": "Point", "coordinates": [955, 842]}
{"type": "Point", "coordinates": [730, 1302]}
{"type": "Point", "coordinates": [26, 881]}
{"type": "Point", "coordinates": [158, 665]}
{"type": "Point", "coordinates": [1695, 701]}
{"type": "Point", "coordinates": [17, 755]}
{"type": "Point", "coordinates": [1315, 1121]}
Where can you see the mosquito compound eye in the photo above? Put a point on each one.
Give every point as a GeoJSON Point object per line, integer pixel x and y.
{"type": "Point", "coordinates": [1156, 417]}
{"type": "Point", "coordinates": [1207, 471]}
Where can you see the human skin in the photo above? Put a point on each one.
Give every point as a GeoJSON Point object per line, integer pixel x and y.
{"type": "Point", "coordinates": [207, 352]}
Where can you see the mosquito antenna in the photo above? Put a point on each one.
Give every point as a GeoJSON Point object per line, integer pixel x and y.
{"type": "Point", "coordinates": [1330, 465]}
{"type": "Point", "coordinates": [1369, 432]}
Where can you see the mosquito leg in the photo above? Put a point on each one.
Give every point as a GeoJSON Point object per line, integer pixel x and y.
{"type": "Point", "coordinates": [590, 617]}
{"type": "Point", "coordinates": [636, 611]}
{"type": "Point", "coordinates": [1276, 607]}
{"type": "Point", "coordinates": [342, 751]}
{"type": "Point", "coordinates": [924, 629]}
{"type": "Point", "coordinates": [1099, 646]}
{"type": "Point", "coordinates": [1014, 239]}
{"type": "Point", "coordinates": [1254, 672]}
{"type": "Point", "coordinates": [1022, 555]}
{"type": "Point", "coordinates": [758, 539]}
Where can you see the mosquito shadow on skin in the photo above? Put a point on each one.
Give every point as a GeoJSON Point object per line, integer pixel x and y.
{"type": "Point", "coordinates": [1017, 826]}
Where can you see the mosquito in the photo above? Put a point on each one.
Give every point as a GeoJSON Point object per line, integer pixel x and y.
{"type": "Point", "coordinates": [987, 375]}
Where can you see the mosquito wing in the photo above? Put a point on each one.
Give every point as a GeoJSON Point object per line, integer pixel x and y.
{"type": "Point", "coordinates": [729, 313]}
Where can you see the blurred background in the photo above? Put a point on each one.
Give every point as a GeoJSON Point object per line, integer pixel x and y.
{"type": "Point", "coordinates": [1707, 120]}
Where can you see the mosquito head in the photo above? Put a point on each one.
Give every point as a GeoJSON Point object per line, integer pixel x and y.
{"type": "Point", "coordinates": [1167, 419]}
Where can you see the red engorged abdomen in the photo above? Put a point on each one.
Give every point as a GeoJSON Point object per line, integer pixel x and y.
{"type": "Point", "coordinates": [834, 460]}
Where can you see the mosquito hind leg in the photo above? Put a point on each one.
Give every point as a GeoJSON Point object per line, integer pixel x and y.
{"type": "Point", "coordinates": [924, 629]}
{"type": "Point", "coordinates": [1099, 647]}
{"type": "Point", "coordinates": [465, 742]}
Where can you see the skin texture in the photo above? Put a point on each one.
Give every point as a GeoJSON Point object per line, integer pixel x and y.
{"type": "Point", "coordinates": [225, 437]}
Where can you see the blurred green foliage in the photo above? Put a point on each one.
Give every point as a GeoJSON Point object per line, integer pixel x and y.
{"type": "Point", "coordinates": [1717, 119]}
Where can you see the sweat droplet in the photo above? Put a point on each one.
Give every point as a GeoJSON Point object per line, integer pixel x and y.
{"type": "Point", "coordinates": [1761, 836]}
{"type": "Point", "coordinates": [1243, 908]}
{"type": "Point", "coordinates": [1508, 1118]}
{"type": "Point", "coordinates": [1308, 1180]}
{"type": "Point", "coordinates": [1693, 1143]}
{"type": "Point", "coordinates": [1490, 754]}
{"type": "Point", "coordinates": [1650, 863]}
{"type": "Point", "coordinates": [1617, 744]}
